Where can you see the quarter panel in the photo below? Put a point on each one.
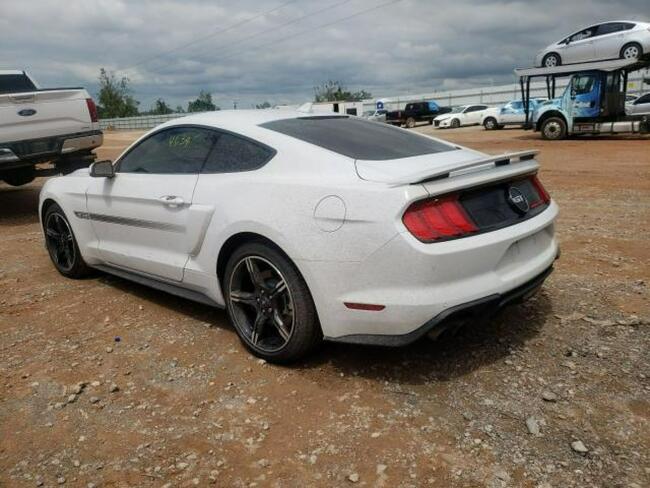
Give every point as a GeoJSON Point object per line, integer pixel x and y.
{"type": "Point", "coordinates": [69, 192]}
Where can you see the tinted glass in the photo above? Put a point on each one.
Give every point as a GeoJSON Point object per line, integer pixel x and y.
{"type": "Point", "coordinates": [643, 99]}
{"type": "Point", "coordinates": [610, 28]}
{"type": "Point", "coordinates": [15, 84]}
{"type": "Point", "coordinates": [358, 139]}
{"type": "Point", "coordinates": [231, 154]}
{"type": "Point", "coordinates": [519, 105]}
{"type": "Point", "coordinates": [180, 150]}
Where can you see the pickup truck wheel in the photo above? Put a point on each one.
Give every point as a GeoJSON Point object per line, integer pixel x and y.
{"type": "Point", "coordinates": [631, 50]}
{"type": "Point", "coordinates": [455, 124]}
{"type": "Point", "coordinates": [20, 176]}
{"type": "Point", "coordinates": [62, 245]}
{"type": "Point", "coordinates": [490, 123]}
{"type": "Point", "coordinates": [553, 129]}
{"type": "Point", "coordinates": [410, 122]}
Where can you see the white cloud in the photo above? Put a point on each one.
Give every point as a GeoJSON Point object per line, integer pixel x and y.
{"type": "Point", "coordinates": [414, 45]}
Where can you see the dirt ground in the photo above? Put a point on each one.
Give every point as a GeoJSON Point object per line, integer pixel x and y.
{"type": "Point", "coordinates": [107, 383]}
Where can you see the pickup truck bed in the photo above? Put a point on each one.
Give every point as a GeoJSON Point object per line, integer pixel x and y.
{"type": "Point", "coordinates": [416, 112]}
{"type": "Point", "coordinates": [44, 125]}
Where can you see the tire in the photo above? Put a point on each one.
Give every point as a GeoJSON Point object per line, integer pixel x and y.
{"type": "Point", "coordinates": [430, 121]}
{"type": "Point", "coordinates": [551, 60]}
{"type": "Point", "coordinates": [19, 176]}
{"type": "Point", "coordinates": [553, 129]}
{"type": "Point", "coordinates": [454, 124]}
{"type": "Point", "coordinates": [490, 123]}
{"type": "Point", "coordinates": [262, 330]}
{"type": "Point", "coordinates": [410, 122]}
{"type": "Point", "coordinates": [68, 262]}
{"type": "Point", "coordinates": [631, 51]}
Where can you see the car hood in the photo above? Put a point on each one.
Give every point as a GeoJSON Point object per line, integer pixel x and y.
{"type": "Point", "coordinates": [408, 170]}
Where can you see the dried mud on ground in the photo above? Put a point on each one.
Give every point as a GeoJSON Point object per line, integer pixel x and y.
{"type": "Point", "coordinates": [551, 393]}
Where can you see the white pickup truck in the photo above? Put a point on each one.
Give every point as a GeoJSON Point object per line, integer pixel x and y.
{"type": "Point", "coordinates": [57, 125]}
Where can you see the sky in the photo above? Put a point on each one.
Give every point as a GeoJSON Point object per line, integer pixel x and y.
{"type": "Point", "coordinates": [251, 51]}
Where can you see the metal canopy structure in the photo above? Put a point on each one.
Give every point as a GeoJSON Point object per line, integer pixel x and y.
{"type": "Point", "coordinates": [525, 75]}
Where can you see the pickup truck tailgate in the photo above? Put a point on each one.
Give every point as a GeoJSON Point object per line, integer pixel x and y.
{"type": "Point", "coordinates": [44, 113]}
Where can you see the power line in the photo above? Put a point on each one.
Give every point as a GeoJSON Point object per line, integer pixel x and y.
{"type": "Point", "coordinates": [322, 26]}
{"type": "Point", "coordinates": [206, 37]}
{"type": "Point", "coordinates": [292, 21]}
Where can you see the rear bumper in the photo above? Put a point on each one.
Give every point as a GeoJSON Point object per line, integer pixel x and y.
{"type": "Point", "coordinates": [482, 307]}
{"type": "Point", "coordinates": [21, 153]}
{"type": "Point", "coordinates": [415, 281]}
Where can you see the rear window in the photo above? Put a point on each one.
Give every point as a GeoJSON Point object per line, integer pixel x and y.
{"type": "Point", "coordinates": [358, 139]}
{"type": "Point", "coordinates": [15, 84]}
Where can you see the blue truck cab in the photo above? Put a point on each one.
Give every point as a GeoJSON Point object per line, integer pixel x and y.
{"type": "Point", "coordinates": [593, 101]}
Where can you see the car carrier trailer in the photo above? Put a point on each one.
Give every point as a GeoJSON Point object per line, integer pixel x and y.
{"type": "Point", "coordinates": [593, 102]}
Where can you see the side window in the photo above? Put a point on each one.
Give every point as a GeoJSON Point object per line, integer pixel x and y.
{"type": "Point", "coordinates": [179, 150]}
{"type": "Point", "coordinates": [584, 34]}
{"type": "Point", "coordinates": [642, 99]}
{"type": "Point", "coordinates": [610, 28]}
{"type": "Point", "coordinates": [582, 84]}
{"type": "Point", "coordinates": [233, 154]}
{"type": "Point", "coordinates": [517, 105]}
{"type": "Point", "coordinates": [15, 84]}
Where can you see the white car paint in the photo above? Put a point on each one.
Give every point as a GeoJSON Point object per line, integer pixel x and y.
{"type": "Point", "coordinates": [338, 219]}
{"type": "Point", "coordinates": [512, 113]}
{"type": "Point", "coordinates": [598, 42]}
{"type": "Point", "coordinates": [640, 106]}
{"type": "Point", "coordinates": [376, 115]}
{"type": "Point", "coordinates": [465, 115]}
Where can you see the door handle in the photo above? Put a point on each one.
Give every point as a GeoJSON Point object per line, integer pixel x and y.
{"type": "Point", "coordinates": [171, 200]}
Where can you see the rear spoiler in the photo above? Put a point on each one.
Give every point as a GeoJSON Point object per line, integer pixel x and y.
{"type": "Point", "coordinates": [492, 161]}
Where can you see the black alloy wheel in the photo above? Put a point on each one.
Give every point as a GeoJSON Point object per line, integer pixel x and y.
{"type": "Point", "coordinates": [62, 245]}
{"type": "Point", "coordinates": [269, 304]}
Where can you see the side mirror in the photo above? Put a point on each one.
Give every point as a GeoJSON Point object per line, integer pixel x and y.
{"type": "Point", "coordinates": [102, 169]}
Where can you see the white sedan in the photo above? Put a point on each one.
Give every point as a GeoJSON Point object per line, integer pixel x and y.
{"type": "Point", "coordinates": [461, 116]}
{"type": "Point", "coordinates": [639, 106]}
{"type": "Point", "coordinates": [308, 226]}
{"type": "Point", "coordinates": [625, 39]}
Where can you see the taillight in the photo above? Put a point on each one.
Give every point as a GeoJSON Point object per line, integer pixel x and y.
{"type": "Point", "coordinates": [438, 219]}
{"type": "Point", "coordinates": [541, 191]}
{"type": "Point", "coordinates": [92, 109]}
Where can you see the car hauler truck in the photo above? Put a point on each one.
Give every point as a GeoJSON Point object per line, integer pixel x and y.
{"type": "Point", "coordinates": [593, 102]}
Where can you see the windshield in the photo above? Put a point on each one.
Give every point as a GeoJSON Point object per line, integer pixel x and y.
{"type": "Point", "coordinates": [358, 138]}
{"type": "Point", "coordinates": [457, 110]}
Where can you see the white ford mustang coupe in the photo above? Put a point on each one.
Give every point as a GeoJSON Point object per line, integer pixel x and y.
{"type": "Point", "coordinates": [308, 226]}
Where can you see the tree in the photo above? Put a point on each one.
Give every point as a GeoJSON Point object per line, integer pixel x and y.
{"type": "Point", "coordinates": [263, 105]}
{"type": "Point", "coordinates": [202, 104]}
{"type": "Point", "coordinates": [160, 107]}
{"type": "Point", "coordinates": [179, 109]}
{"type": "Point", "coordinates": [334, 91]}
{"type": "Point", "coordinates": [115, 98]}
